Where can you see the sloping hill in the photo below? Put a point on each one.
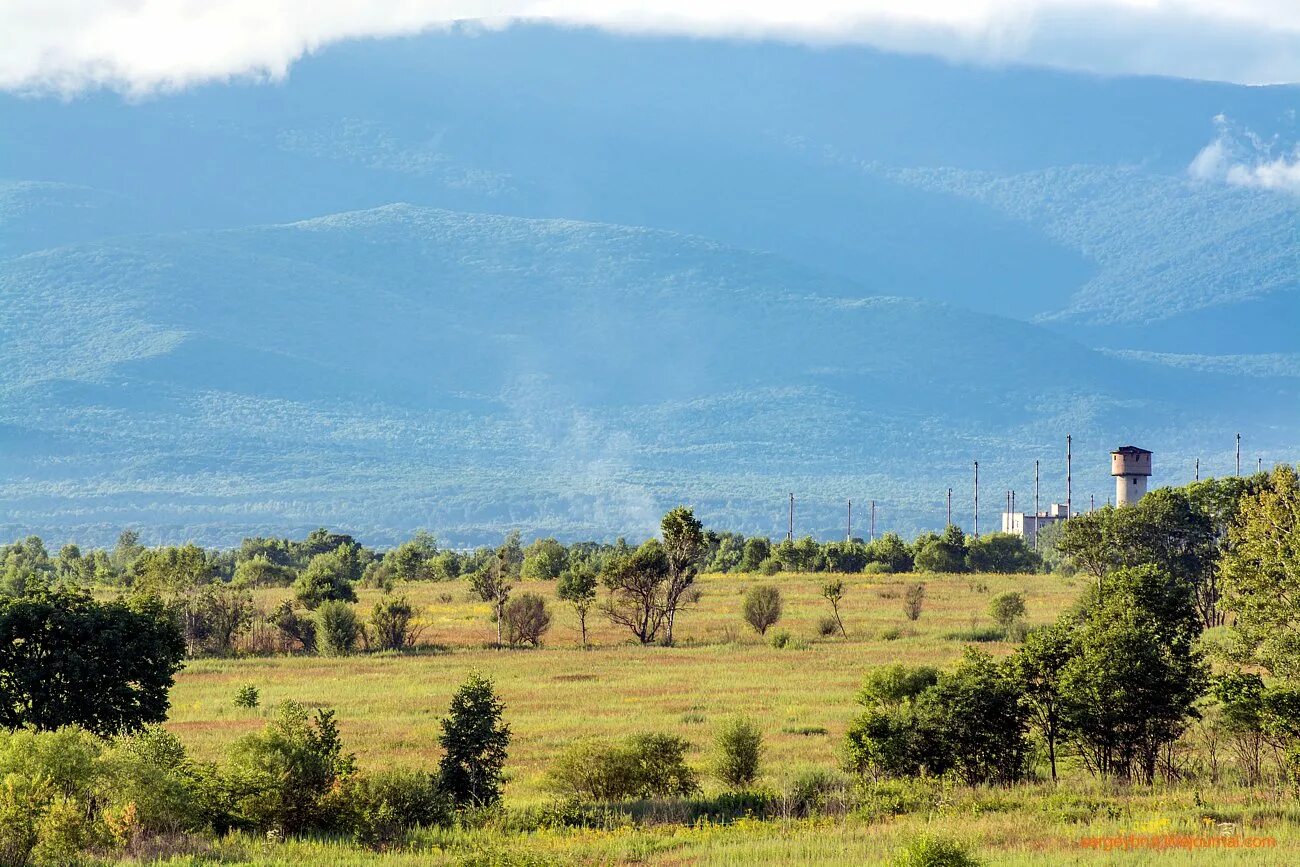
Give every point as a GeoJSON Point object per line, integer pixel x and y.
{"type": "Point", "coordinates": [404, 366]}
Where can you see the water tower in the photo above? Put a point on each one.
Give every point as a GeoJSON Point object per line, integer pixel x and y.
{"type": "Point", "coordinates": [1131, 467]}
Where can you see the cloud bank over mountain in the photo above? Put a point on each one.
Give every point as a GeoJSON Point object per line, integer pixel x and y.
{"type": "Point", "coordinates": [139, 46]}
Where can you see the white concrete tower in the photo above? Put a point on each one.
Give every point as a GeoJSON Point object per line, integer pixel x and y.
{"type": "Point", "coordinates": [1131, 466]}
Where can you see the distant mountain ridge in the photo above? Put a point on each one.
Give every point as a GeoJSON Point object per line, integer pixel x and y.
{"type": "Point", "coordinates": [562, 280]}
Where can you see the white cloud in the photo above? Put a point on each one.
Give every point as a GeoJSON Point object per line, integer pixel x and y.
{"type": "Point", "coordinates": [141, 45]}
{"type": "Point", "coordinates": [1240, 158]}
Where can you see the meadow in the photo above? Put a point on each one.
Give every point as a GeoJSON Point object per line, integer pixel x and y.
{"type": "Point", "coordinates": [389, 707]}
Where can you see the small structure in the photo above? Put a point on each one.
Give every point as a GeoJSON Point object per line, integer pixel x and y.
{"type": "Point", "coordinates": [1026, 526]}
{"type": "Point", "coordinates": [1131, 467]}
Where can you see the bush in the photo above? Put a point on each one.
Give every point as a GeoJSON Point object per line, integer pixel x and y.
{"type": "Point", "coordinates": [282, 777]}
{"type": "Point", "coordinates": [877, 568]}
{"type": "Point", "coordinates": [890, 685]}
{"type": "Point", "coordinates": [826, 627]}
{"type": "Point", "coordinates": [810, 791]}
{"type": "Point", "coordinates": [739, 747]}
{"type": "Point", "coordinates": [247, 696]}
{"type": "Point", "coordinates": [295, 629]}
{"type": "Point", "coordinates": [329, 577]}
{"type": "Point", "coordinates": [644, 766]}
{"type": "Point", "coordinates": [337, 628]}
{"type": "Point", "coordinates": [770, 566]}
{"type": "Point", "coordinates": [392, 624]}
{"type": "Point", "coordinates": [386, 805]}
{"type": "Point", "coordinates": [913, 596]}
{"type": "Point", "coordinates": [934, 852]}
{"type": "Point", "coordinates": [526, 619]}
{"type": "Point", "coordinates": [1007, 608]}
{"type": "Point", "coordinates": [780, 639]}
{"type": "Point", "coordinates": [762, 607]}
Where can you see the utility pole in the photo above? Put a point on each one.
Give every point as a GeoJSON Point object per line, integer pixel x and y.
{"type": "Point", "coordinates": [849, 537]}
{"type": "Point", "coordinates": [789, 534]}
{"type": "Point", "coordinates": [1069, 476]}
{"type": "Point", "coordinates": [872, 537]}
{"type": "Point", "coordinates": [1035, 505]}
{"type": "Point", "coordinates": [1198, 469]}
{"type": "Point", "coordinates": [977, 499]}
{"type": "Point", "coordinates": [1259, 465]}
{"type": "Point", "coordinates": [949, 524]}
{"type": "Point", "coordinates": [1238, 455]}
{"type": "Point", "coordinates": [1013, 501]}
{"type": "Point", "coordinates": [1092, 503]}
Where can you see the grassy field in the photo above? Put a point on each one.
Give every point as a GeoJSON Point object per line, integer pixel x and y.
{"type": "Point", "coordinates": [389, 707]}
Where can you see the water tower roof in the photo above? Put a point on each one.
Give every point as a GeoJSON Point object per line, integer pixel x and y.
{"type": "Point", "coordinates": [1130, 450]}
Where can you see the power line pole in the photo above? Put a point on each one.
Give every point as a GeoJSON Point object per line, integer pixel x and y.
{"type": "Point", "coordinates": [1238, 455]}
{"type": "Point", "coordinates": [872, 537]}
{"type": "Point", "coordinates": [977, 499]}
{"type": "Point", "coordinates": [1259, 465]}
{"type": "Point", "coordinates": [1069, 476]}
{"type": "Point", "coordinates": [1035, 505]}
{"type": "Point", "coordinates": [1013, 501]}
{"type": "Point", "coordinates": [1092, 502]}
{"type": "Point", "coordinates": [789, 534]}
{"type": "Point", "coordinates": [1198, 469]}
{"type": "Point", "coordinates": [849, 537]}
{"type": "Point", "coordinates": [949, 524]}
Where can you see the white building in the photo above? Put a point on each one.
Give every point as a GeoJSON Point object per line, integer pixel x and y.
{"type": "Point", "coordinates": [1027, 526]}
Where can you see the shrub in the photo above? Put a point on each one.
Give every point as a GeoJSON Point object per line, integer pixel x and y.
{"type": "Point", "coordinates": [643, 766]}
{"type": "Point", "coordinates": [762, 607]}
{"type": "Point", "coordinates": [281, 777]}
{"type": "Point", "coordinates": [780, 639]}
{"type": "Point", "coordinates": [329, 577]}
{"type": "Point", "coordinates": [393, 625]}
{"type": "Point", "coordinates": [293, 627]}
{"type": "Point", "coordinates": [527, 619]}
{"type": "Point", "coordinates": [474, 740]}
{"type": "Point", "coordinates": [913, 596]}
{"type": "Point", "coordinates": [826, 627]}
{"type": "Point", "coordinates": [891, 633]}
{"type": "Point", "coordinates": [1007, 608]}
{"type": "Point", "coordinates": [386, 805]}
{"type": "Point", "coordinates": [933, 852]}
{"type": "Point", "coordinates": [337, 628]}
{"type": "Point", "coordinates": [247, 696]}
{"type": "Point", "coordinates": [810, 791]}
{"type": "Point", "coordinates": [877, 568]}
{"type": "Point", "coordinates": [770, 566]}
{"type": "Point", "coordinates": [739, 747]}
{"type": "Point", "coordinates": [890, 685]}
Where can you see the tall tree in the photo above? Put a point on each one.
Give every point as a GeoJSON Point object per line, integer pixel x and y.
{"type": "Point", "coordinates": [636, 583]}
{"type": "Point", "coordinates": [474, 740]}
{"type": "Point", "coordinates": [683, 546]}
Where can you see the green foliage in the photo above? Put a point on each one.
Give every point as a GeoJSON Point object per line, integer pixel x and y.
{"type": "Point", "coordinates": [755, 552]}
{"type": "Point", "coordinates": [980, 720]}
{"type": "Point", "coordinates": [769, 567]}
{"type": "Point", "coordinates": [527, 619]}
{"type": "Point", "coordinates": [762, 607]}
{"type": "Point", "coordinates": [260, 571]}
{"type": "Point", "coordinates": [739, 752]}
{"type": "Point", "coordinates": [1006, 608]}
{"type": "Point", "coordinates": [53, 646]}
{"type": "Point", "coordinates": [1001, 552]}
{"type": "Point", "coordinates": [282, 777]}
{"type": "Point", "coordinates": [247, 696]}
{"type": "Point", "coordinates": [781, 639]}
{"type": "Point", "coordinates": [295, 629]}
{"type": "Point", "coordinates": [930, 851]}
{"type": "Point", "coordinates": [474, 741]}
{"type": "Point", "coordinates": [1262, 574]}
{"type": "Point", "coordinates": [643, 766]}
{"type": "Point", "coordinates": [337, 628]}
{"type": "Point", "coordinates": [1037, 668]}
{"type": "Point", "coordinates": [545, 559]}
{"type": "Point", "coordinates": [383, 807]}
{"type": "Point", "coordinates": [329, 578]}
{"type": "Point", "coordinates": [393, 624]}
{"type": "Point", "coordinates": [889, 553]}
{"type": "Point", "coordinates": [416, 559]}
{"type": "Point", "coordinates": [833, 592]}
{"type": "Point", "coordinates": [894, 685]}
{"type": "Point", "coordinates": [577, 586]}
{"type": "Point", "coordinates": [944, 553]}
{"type": "Point", "coordinates": [637, 585]}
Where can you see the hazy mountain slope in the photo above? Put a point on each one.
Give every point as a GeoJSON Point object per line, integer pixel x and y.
{"type": "Point", "coordinates": [406, 366]}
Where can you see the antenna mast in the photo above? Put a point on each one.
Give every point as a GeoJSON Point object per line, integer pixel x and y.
{"type": "Point", "coordinates": [977, 499]}
{"type": "Point", "coordinates": [1069, 476]}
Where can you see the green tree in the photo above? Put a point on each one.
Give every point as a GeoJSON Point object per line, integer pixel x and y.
{"type": "Point", "coordinates": [636, 584]}
{"type": "Point", "coordinates": [66, 659]}
{"type": "Point", "coordinates": [756, 550]}
{"type": "Point", "coordinates": [683, 545]}
{"type": "Point", "coordinates": [577, 586]}
{"type": "Point", "coordinates": [944, 553]}
{"type": "Point", "coordinates": [544, 560]}
{"type": "Point", "coordinates": [892, 551]}
{"type": "Point", "coordinates": [762, 607]}
{"type": "Point", "coordinates": [329, 578]}
{"type": "Point", "coordinates": [260, 571]}
{"type": "Point", "coordinates": [1262, 574]}
{"type": "Point", "coordinates": [527, 619]}
{"type": "Point", "coordinates": [416, 559]}
{"type": "Point", "coordinates": [1002, 553]}
{"type": "Point", "coordinates": [1131, 686]}
{"type": "Point", "coordinates": [474, 741]}
{"type": "Point", "coordinates": [493, 582]}
{"type": "Point", "coordinates": [980, 720]}
{"type": "Point", "coordinates": [1006, 609]}
{"type": "Point", "coordinates": [739, 753]}
{"type": "Point", "coordinates": [833, 592]}
{"type": "Point", "coordinates": [1038, 667]}
{"type": "Point", "coordinates": [337, 627]}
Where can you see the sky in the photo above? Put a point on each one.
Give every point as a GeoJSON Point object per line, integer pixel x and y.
{"type": "Point", "coordinates": [141, 46]}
